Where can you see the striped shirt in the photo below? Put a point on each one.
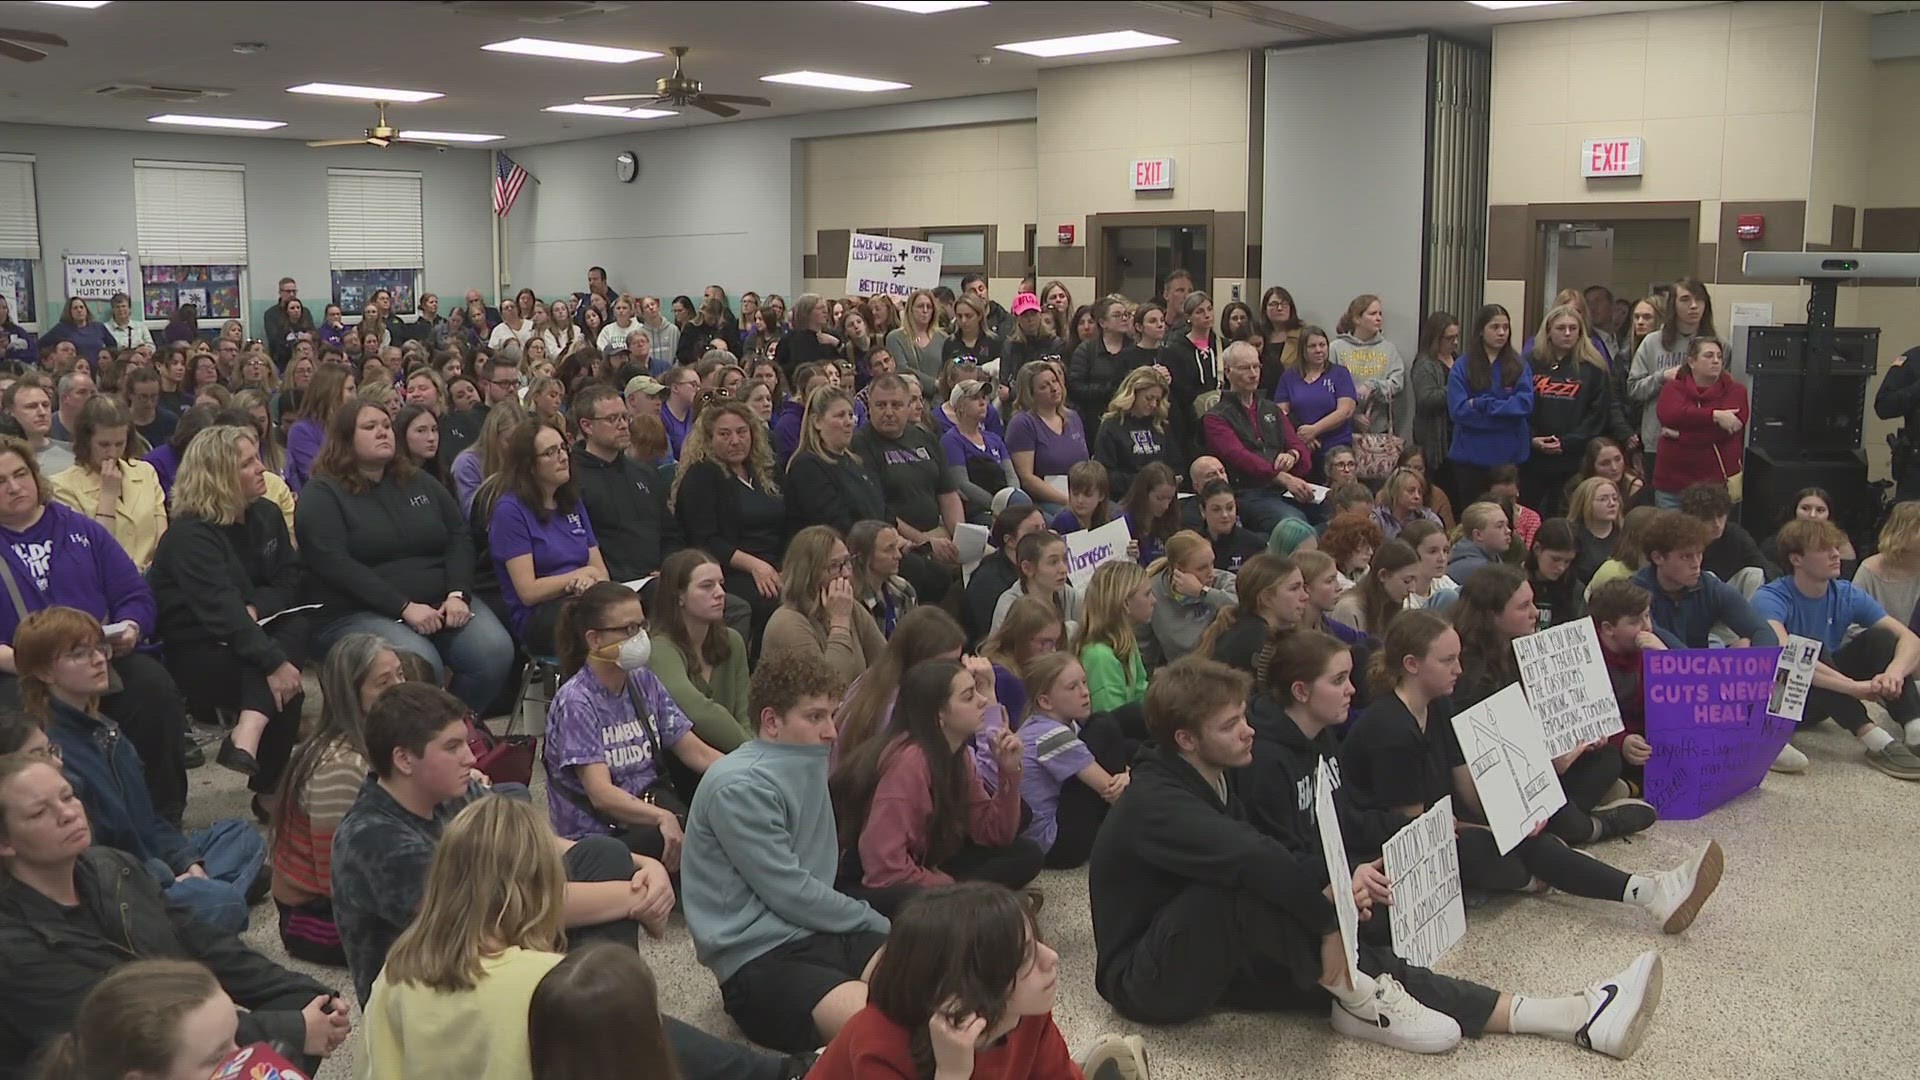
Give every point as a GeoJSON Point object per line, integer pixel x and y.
{"type": "Point", "coordinates": [1054, 755]}
{"type": "Point", "coordinates": [303, 843]}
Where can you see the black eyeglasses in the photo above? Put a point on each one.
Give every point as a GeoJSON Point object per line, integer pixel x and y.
{"type": "Point", "coordinates": [630, 629]}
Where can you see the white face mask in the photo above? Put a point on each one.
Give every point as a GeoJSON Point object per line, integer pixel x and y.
{"type": "Point", "coordinates": [631, 655]}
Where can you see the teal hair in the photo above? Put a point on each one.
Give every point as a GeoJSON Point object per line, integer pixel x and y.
{"type": "Point", "coordinates": [1288, 536]}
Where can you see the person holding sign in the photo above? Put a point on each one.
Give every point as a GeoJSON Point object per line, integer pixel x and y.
{"type": "Point", "coordinates": [1195, 909]}
{"type": "Point", "coordinates": [1623, 620]}
{"type": "Point", "coordinates": [1689, 602]}
{"type": "Point", "coordinates": [1041, 558]}
{"type": "Point", "coordinates": [1877, 665]}
{"type": "Point", "coordinates": [1402, 755]}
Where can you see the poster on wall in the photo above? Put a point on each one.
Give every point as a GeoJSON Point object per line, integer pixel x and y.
{"type": "Point", "coordinates": [99, 277]}
{"type": "Point", "coordinates": [16, 285]}
{"type": "Point", "coordinates": [214, 291]}
{"type": "Point", "coordinates": [887, 265]}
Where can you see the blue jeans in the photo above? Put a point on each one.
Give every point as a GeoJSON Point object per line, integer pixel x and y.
{"type": "Point", "coordinates": [231, 852]}
{"type": "Point", "coordinates": [1666, 500]}
{"type": "Point", "coordinates": [480, 653]}
{"type": "Point", "coordinates": [1261, 508]}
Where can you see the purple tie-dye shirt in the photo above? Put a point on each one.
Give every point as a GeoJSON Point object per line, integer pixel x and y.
{"type": "Point", "coordinates": [586, 725]}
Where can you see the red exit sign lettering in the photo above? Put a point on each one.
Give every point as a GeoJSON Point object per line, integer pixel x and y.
{"type": "Point", "coordinates": [1610, 157]}
{"type": "Point", "coordinates": [1153, 174]}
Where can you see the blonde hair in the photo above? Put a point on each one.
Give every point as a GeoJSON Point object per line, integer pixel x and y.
{"type": "Point", "coordinates": [1028, 616]}
{"type": "Point", "coordinates": [1580, 503]}
{"type": "Point", "coordinates": [496, 882]}
{"type": "Point", "coordinates": [1139, 379]}
{"type": "Point", "coordinates": [208, 484]}
{"type": "Point", "coordinates": [803, 573]}
{"type": "Point", "coordinates": [1105, 610]}
{"type": "Point", "coordinates": [700, 434]}
{"type": "Point", "coordinates": [1181, 548]}
{"type": "Point", "coordinates": [1482, 514]}
{"type": "Point", "coordinates": [1900, 536]}
{"type": "Point", "coordinates": [1030, 373]}
{"type": "Point", "coordinates": [1582, 350]}
{"type": "Point", "coordinates": [817, 405]}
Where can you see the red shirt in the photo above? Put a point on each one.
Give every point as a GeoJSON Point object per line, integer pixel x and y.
{"type": "Point", "coordinates": [872, 1047]}
{"type": "Point", "coordinates": [1624, 671]}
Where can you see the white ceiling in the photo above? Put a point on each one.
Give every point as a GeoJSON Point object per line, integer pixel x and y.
{"type": "Point", "coordinates": [432, 45]}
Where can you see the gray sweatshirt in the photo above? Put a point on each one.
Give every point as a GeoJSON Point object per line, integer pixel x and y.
{"type": "Point", "coordinates": [1376, 365]}
{"type": "Point", "coordinates": [1178, 622]}
{"type": "Point", "coordinates": [1645, 380]}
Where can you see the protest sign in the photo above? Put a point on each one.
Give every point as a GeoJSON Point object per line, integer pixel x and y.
{"type": "Point", "coordinates": [1338, 872]}
{"type": "Point", "coordinates": [1793, 677]}
{"type": "Point", "coordinates": [887, 265]}
{"type": "Point", "coordinates": [99, 277]}
{"type": "Point", "coordinates": [1423, 869]}
{"type": "Point", "coordinates": [1567, 685]}
{"type": "Point", "coordinates": [1088, 548]}
{"type": "Point", "coordinates": [1711, 734]}
{"type": "Point", "coordinates": [1500, 738]}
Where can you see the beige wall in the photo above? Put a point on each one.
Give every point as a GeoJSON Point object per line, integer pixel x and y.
{"type": "Point", "coordinates": [1843, 121]}
{"type": "Point", "coordinates": [1892, 180]}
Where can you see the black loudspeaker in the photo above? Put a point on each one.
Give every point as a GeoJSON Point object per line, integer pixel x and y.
{"type": "Point", "coordinates": [1807, 414]}
{"type": "Point", "coordinates": [1770, 480]}
{"type": "Point", "coordinates": [1813, 350]}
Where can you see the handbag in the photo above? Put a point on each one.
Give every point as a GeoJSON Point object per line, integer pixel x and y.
{"type": "Point", "coordinates": [114, 683]}
{"type": "Point", "coordinates": [1375, 454]}
{"type": "Point", "coordinates": [1736, 482]}
{"type": "Point", "coordinates": [506, 759]}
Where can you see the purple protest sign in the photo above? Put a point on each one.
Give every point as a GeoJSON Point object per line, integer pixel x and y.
{"type": "Point", "coordinates": [1707, 721]}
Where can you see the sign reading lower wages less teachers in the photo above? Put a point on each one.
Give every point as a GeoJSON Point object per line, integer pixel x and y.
{"type": "Point", "coordinates": [887, 265]}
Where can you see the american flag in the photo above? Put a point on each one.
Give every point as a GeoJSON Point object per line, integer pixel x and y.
{"type": "Point", "coordinates": [508, 179]}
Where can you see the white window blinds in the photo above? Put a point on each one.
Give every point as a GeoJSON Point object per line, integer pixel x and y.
{"type": "Point", "coordinates": [189, 213]}
{"type": "Point", "coordinates": [373, 220]}
{"type": "Point", "coordinates": [19, 209]}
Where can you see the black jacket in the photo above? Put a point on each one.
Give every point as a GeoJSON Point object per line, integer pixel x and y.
{"type": "Point", "coordinates": [1127, 444]}
{"type": "Point", "coordinates": [459, 429]}
{"type": "Point", "coordinates": [995, 575]}
{"type": "Point", "coordinates": [836, 493]}
{"type": "Point", "coordinates": [797, 347]}
{"type": "Point", "coordinates": [1899, 395]}
{"type": "Point", "coordinates": [1231, 552]}
{"type": "Point", "coordinates": [1278, 791]}
{"type": "Point", "coordinates": [205, 575]}
{"type": "Point", "coordinates": [720, 515]}
{"type": "Point", "coordinates": [1190, 378]}
{"type": "Point", "coordinates": [1093, 375]}
{"type": "Point", "coordinates": [979, 354]}
{"type": "Point", "coordinates": [401, 542]}
{"type": "Point", "coordinates": [1575, 401]}
{"type": "Point", "coordinates": [51, 957]}
{"type": "Point", "coordinates": [627, 502]}
{"type": "Point", "coordinates": [1016, 354]}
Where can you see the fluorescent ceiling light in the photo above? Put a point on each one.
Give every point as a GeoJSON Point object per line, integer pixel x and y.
{"type": "Point", "coordinates": [923, 7]}
{"type": "Point", "coordinates": [450, 136]}
{"type": "Point", "coordinates": [364, 93]}
{"type": "Point", "coordinates": [828, 81]}
{"type": "Point", "coordinates": [586, 108]}
{"type": "Point", "coordinates": [1509, 5]}
{"type": "Point", "coordinates": [1112, 41]}
{"type": "Point", "coordinates": [217, 122]}
{"type": "Point", "coordinates": [88, 4]}
{"type": "Point", "coordinates": [567, 50]}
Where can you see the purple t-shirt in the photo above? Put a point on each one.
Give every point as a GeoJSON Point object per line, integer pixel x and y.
{"type": "Point", "coordinates": [587, 725]}
{"type": "Point", "coordinates": [1310, 402]}
{"type": "Point", "coordinates": [1053, 454]}
{"type": "Point", "coordinates": [1053, 757]}
{"type": "Point", "coordinates": [959, 449]}
{"type": "Point", "coordinates": [304, 439]}
{"type": "Point", "coordinates": [559, 545]}
{"type": "Point", "coordinates": [676, 429]}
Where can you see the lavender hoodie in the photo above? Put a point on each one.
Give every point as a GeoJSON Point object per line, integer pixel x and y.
{"type": "Point", "coordinates": [66, 559]}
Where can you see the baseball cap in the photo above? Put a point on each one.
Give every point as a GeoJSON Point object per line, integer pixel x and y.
{"type": "Point", "coordinates": [969, 388]}
{"type": "Point", "coordinates": [1025, 302]}
{"type": "Point", "coordinates": [646, 384]}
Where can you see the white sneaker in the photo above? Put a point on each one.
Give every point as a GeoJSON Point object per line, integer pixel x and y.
{"type": "Point", "coordinates": [1790, 760]}
{"type": "Point", "coordinates": [1393, 1018]}
{"type": "Point", "coordinates": [1115, 1057]}
{"type": "Point", "coordinates": [1621, 1008]}
{"type": "Point", "coordinates": [1680, 893]}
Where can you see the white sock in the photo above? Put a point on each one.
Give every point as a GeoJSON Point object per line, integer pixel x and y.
{"type": "Point", "coordinates": [1913, 732]}
{"type": "Point", "coordinates": [1358, 994]}
{"type": "Point", "coordinates": [1554, 1017]}
{"type": "Point", "coordinates": [1876, 738]}
{"type": "Point", "coordinates": [1642, 891]}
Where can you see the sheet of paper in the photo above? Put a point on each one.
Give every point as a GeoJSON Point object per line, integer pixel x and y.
{"type": "Point", "coordinates": [971, 539]}
{"type": "Point", "coordinates": [1793, 677]}
{"type": "Point", "coordinates": [1058, 481]}
{"type": "Point", "coordinates": [1423, 869]}
{"type": "Point", "coordinates": [1087, 549]}
{"type": "Point", "coordinates": [1511, 768]}
{"type": "Point", "coordinates": [1567, 685]}
{"type": "Point", "coordinates": [1707, 721]}
{"type": "Point", "coordinates": [1339, 874]}
{"type": "Point", "coordinates": [1317, 493]}
{"type": "Point", "coordinates": [639, 583]}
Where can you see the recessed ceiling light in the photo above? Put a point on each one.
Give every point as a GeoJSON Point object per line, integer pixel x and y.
{"type": "Point", "coordinates": [584, 108]}
{"type": "Point", "coordinates": [364, 93]}
{"type": "Point", "coordinates": [567, 50]}
{"type": "Point", "coordinates": [450, 136]}
{"type": "Point", "coordinates": [828, 81]}
{"type": "Point", "coordinates": [88, 4]}
{"type": "Point", "coordinates": [1112, 41]}
{"type": "Point", "coordinates": [235, 122]}
{"type": "Point", "coordinates": [1508, 5]}
{"type": "Point", "coordinates": [923, 7]}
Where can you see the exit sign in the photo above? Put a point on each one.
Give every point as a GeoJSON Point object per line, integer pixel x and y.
{"type": "Point", "coordinates": [1153, 174]}
{"type": "Point", "coordinates": [1610, 157]}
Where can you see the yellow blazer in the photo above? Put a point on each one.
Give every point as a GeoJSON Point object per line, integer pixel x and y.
{"type": "Point", "coordinates": [280, 495]}
{"type": "Point", "coordinates": [138, 518]}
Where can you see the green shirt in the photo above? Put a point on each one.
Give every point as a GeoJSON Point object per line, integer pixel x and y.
{"type": "Point", "coordinates": [718, 705]}
{"type": "Point", "coordinates": [1111, 683]}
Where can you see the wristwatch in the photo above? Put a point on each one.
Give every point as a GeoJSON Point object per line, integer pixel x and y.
{"type": "Point", "coordinates": [460, 596]}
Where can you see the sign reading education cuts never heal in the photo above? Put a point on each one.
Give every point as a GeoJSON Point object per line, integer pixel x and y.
{"type": "Point", "coordinates": [1709, 725]}
{"type": "Point", "coordinates": [886, 265]}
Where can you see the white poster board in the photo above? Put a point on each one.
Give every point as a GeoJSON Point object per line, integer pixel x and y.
{"type": "Point", "coordinates": [99, 277]}
{"type": "Point", "coordinates": [1339, 874]}
{"type": "Point", "coordinates": [1566, 681]}
{"type": "Point", "coordinates": [890, 266]}
{"type": "Point", "coordinates": [1423, 869]}
{"type": "Point", "coordinates": [1793, 677]}
{"type": "Point", "coordinates": [1500, 738]}
{"type": "Point", "coordinates": [12, 288]}
{"type": "Point", "coordinates": [1088, 548]}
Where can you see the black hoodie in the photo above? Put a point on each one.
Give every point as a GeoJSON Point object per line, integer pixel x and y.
{"type": "Point", "coordinates": [1278, 790]}
{"type": "Point", "coordinates": [627, 502]}
{"type": "Point", "coordinates": [1575, 402]}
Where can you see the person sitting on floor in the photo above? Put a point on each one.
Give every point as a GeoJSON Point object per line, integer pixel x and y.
{"type": "Point", "coordinates": [1622, 614]}
{"type": "Point", "coordinates": [1689, 602]}
{"type": "Point", "coordinates": [1485, 534]}
{"type": "Point", "coordinates": [1271, 600]}
{"type": "Point", "coordinates": [1732, 554]}
{"type": "Point", "coordinates": [1042, 560]}
{"type": "Point", "coordinates": [996, 570]}
{"type": "Point", "coordinates": [597, 1013]}
{"type": "Point", "coordinates": [1088, 506]}
{"type": "Point", "coordinates": [1233, 543]}
{"type": "Point", "coordinates": [158, 1018]}
{"type": "Point", "coordinates": [1032, 630]}
{"type": "Point", "coordinates": [1189, 590]}
{"type": "Point", "coordinates": [1120, 602]}
{"type": "Point", "coordinates": [1075, 762]}
{"type": "Point", "coordinates": [866, 713]}
{"type": "Point", "coordinates": [818, 616]}
{"type": "Point", "coordinates": [700, 660]}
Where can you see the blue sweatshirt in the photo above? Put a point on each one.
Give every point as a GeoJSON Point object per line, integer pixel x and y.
{"type": "Point", "coordinates": [67, 559]}
{"type": "Point", "coordinates": [761, 852]}
{"type": "Point", "coordinates": [105, 772]}
{"type": "Point", "coordinates": [1689, 616]}
{"type": "Point", "coordinates": [1490, 427]}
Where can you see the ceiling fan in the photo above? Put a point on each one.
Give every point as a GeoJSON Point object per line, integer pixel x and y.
{"type": "Point", "coordinates": [677, 89]}
{"type": "Point", "coordinates": [378, 135]}
{"type": "Point", "coordinates": [19, 44]}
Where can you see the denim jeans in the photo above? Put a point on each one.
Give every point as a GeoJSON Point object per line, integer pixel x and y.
{"type": "Point", "coordinates": [1666, 500]}
{"type": "Point", "coordinates": [480, 653]}
{"type": "Point", "coordinates": [231, 852]}
{"type": "Point", "coordinates": [1261, 508]}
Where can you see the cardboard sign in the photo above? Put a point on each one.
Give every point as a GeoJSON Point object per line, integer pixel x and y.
{"type": "Point", "coordinates": [1423, 868]}
{"type": "Point", "coordinates": [1511, 767]}
{"type": "Point", "coordinates": [1709, 726]}
{"type": "Point", "coordinates": [1339, 874]}
{"type": "Point", "coordinates": [1567, 685]}
{"type": "Point", "coordinates": [1793, 677]}
{"type": "Point", "coordinates": [99, 277]}
{"type": "Point", "coordinates": [1088, 548]}
{"type": "Point", "coordinates": [886, 265]}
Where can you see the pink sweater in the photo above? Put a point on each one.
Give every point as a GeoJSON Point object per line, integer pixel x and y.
{"type": "Point", "coordinates": [893, 843]}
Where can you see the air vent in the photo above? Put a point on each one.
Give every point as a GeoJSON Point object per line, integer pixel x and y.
{"type": "Point", "coordinates": [172, 95]}
{"type": "Point", "coordinates": [529, 11]}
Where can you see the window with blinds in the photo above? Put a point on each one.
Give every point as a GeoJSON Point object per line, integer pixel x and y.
{"type": "Point", "coordinates": [375, 239]}
{"type": "Point", "coordinates": [190, 213]}
{"type": "Point", "coordinates": [19, 237]}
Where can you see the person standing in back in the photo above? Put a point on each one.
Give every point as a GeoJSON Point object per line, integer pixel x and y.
{"type": "Point", "coordinates": [1379, 374]}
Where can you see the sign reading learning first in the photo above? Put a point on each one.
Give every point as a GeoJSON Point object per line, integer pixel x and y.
{"type": "Point", "coordinates": [891, 266]}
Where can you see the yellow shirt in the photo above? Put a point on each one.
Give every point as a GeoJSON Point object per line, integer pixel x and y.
{"type": "Point", "coordinates": [417, 1033]}
{"type": "Point", "coordinates": [139, 517]}
{"type": "Point", "coordinates": [280, 495]}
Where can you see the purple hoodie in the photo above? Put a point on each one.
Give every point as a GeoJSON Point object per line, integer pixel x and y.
{"type": "Point", "coordinates": [66, 559]}
{"type": "Point", "coordinates": [165, 461]}
{"type": "Point", "coordinates": [303, 446]}
{"type": "Point", "coordinates": [786, 428]}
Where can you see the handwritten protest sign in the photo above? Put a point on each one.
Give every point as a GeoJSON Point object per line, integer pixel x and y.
{"type": "Point", "coordinates": [1087, 549]}
{"type": "Point", "coordinates": [1338, 872]}
{"type": "Point", "coordinates": [1423, 869]}
{"type": "Point", "coordinates": [891, 266]}
{"type": "Point", "coordinates": [1567, 685]}
{"type": "Point", "coordinates": [1793, 677]}
{"type": "Point", "coordinates": [1511, 768]}
{"type": "Point", "coordinates": [1706, 719]}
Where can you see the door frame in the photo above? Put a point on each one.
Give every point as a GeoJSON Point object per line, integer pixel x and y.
{"type": "Point", "coordinates": [1098, 224]}
{"type": "Point", "coordinates": [1598, 213]}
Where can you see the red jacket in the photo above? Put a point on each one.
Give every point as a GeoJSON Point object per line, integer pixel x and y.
{"type": "Point", "coordinates": [872, 1047]}
{"type": "Point", "coordinates": [1703, 450]}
